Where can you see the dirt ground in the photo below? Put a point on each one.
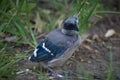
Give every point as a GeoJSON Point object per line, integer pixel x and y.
{"type": "Point", "coordinates": [92, 57]}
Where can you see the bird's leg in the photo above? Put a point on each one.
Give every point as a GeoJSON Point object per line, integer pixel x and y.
{"type": "Point", "coordinates": [67, 73]}
{"type": "Point", "coordinates": [55, 74]}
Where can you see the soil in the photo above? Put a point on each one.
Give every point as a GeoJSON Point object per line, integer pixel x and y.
{"type": "Point", "coordinates": [96, 56]}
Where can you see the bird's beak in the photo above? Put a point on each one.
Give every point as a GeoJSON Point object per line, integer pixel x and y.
{"type": "Point", "coordinates": [76, 15]}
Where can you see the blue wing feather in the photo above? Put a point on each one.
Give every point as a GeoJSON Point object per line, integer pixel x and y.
{"type": "Point", "coordinates": [43, 55]}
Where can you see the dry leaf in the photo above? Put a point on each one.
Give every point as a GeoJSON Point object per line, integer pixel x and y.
{"type": "Point", "coordinates": [110, 33]}
{"type": "Point", "coordinates": [90, 41]}
{"type": "Point", "coordinates": [90, 48]}
{"type": "Point", "coordinates": [95, 37]}
{"type": "Point", "coordinates": [87, 47]}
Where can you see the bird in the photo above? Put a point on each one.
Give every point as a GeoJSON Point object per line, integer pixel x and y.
{"type": "Point", "coordinates": [59, 45]}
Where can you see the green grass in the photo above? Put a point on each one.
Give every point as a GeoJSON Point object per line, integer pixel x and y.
{"type": "Point", "coordinates": [7, 62]}
{"type": "Point", "coordinates": [15, 19]}
{"type": "Point", "coordinates": [87, 10]}
{"type": "Point", "coordinates": [110, 75]}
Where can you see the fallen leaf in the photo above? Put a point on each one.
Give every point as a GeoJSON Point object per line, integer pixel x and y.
{"type": "Point", "coordinates": [95, 37]}
{"type": "Point", "coordinates": [90, 41]}
{"type": "Point", "coordinates": [90, 48]}
{"type": "Point", "coordinates": [110, 33]}
{"type": "Point", "coordinates": [87, 47]}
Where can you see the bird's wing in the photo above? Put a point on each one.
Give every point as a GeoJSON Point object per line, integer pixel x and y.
{"type": "Point", "coordinates": [47, 51]}
{"type": "Point", "coordinates": [67, 54]}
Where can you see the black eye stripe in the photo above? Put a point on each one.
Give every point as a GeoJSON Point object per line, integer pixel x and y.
{"type": "Point", "coordinates": [71, 27]}
{"type": "Point", "coordinates": [71, 24]}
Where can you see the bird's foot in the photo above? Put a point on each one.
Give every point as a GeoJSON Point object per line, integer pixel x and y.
{"type": "Point", "coordinates": [55, 74]}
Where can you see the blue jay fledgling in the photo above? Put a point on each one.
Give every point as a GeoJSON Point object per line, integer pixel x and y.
{"type": "Point", "coordinates": [59, 45]}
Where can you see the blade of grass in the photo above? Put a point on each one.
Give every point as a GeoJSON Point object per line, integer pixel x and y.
{"type": "Point", "coordinates": [13, 61]}
{"type": "Point", "coordinates": [110, 75]}
{"type": "Point", "coordinates": [85, 20]}
{"type": "Point", "coordinates": [2, 26]}
{"type": "Point", "coordinates": [34, 42]}
{"type": "Point", "coordinates": [107, 12]}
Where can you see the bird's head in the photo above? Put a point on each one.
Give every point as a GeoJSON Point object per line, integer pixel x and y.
{"type": "Point", "coordinates": [70, 26]}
